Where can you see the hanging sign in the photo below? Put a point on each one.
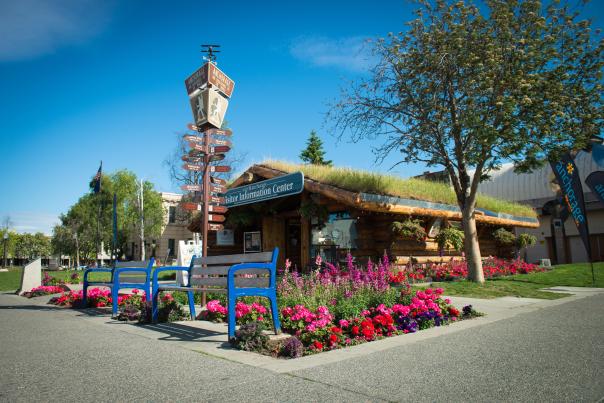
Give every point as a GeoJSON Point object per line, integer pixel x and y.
{"type": "Point", "coordinates": [210, 74]}
{"type": "Point", "coordinates": [208, 106]}
{"type": "Point", "coordinates": [281, 186]}
{"type": "Point", "coordinates": [567, 175]}
{"type": "Point", "coordinates": [595, 181]}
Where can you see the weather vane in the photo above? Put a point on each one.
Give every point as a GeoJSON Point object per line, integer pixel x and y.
{"type": "Point", "coordinates": [211, 52]}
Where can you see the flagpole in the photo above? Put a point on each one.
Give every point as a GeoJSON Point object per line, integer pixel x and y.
{"type": "Point", "coordinates": [98, 220]}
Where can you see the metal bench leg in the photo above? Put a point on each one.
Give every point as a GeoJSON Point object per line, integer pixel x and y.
{"type": "Point", "coordinates": [275, 314]}
{"type": "Point", "coordinates": [154, 307]}
{"type": "Point", "coordinates": [114, 298]}
{"type": "Point", "coordinates": [85, 295]}
{"type": "Point", "coordinates": [191, 296]}
{"type": "Point", "coordinates": [231, 315]}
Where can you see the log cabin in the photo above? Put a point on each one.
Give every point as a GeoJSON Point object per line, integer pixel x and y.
{"type": "Point", "coordinates": [339, 211]}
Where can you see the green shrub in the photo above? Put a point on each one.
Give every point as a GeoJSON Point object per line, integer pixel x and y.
{"type": "Point", "coordinates": [525, 240]}
{"type": "Point", "coordinates": [249, 337]}
{"type": "Point", "coordinates": [504, 237]}
{"type": "Point", "coordinates": [450, 238]}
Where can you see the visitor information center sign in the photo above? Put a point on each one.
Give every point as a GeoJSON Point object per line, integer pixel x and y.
{"type": "Point", "coordinates": [282, 186]}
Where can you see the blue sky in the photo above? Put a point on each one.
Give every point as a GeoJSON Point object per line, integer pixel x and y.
{"type": "Point", "coordinates": [87, 80]}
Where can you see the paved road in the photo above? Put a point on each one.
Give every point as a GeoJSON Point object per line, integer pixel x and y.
{"type": "Point", "coordinates": [552, 354]}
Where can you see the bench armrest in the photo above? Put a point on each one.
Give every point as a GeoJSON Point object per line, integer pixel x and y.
{"type": "Point", "coordinates": [168, 268]}
{"type": "Point", "coordinates": [95, 270]}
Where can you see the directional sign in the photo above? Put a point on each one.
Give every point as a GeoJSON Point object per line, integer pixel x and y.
{"type": "Point", "coordinates": [192, 138]}
{"type": "Point", "coordinates": [215, 227]}
{"type": "Point", "coordinates": [281, 186]}
{"type": "Point", "coordinates": [217, 188]}
{"type": "Point", "coordinates": [191, 158]}
{"type": "Point", "coordinates": [216, 199]}
{"type": "Point", "coordinates": [218, 180]}
{"type": "Point", "coordinates": [217, 209]}
{"type": "Point", "coordinates": [220, 132]}
{"type": "Point", "coordinates": [210, 74]}
{"type": "Point", "coordinates": [216, 218]}
{"type": "Point", "coordinates": [191, 126]}
{"type": "Point", "coordinates": [219, 142]}
{"type": "Point", "coordinates": [191, 206]}
{"type": "Point", "coordinates": [219, 149]}
{"type": "Point", "coordinates": [217, 157]}
{"type": "Point", "coordinates": [192, 188]}
{"type": "Point", "coordinates": [197, 146]}
{"type": "Point", "coordinates": [220, 168]}
{"type": "Point", "coordinates": [193, 167]}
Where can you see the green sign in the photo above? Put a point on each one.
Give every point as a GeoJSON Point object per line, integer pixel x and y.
{"type": "Point", "coordinates": [282, 186]}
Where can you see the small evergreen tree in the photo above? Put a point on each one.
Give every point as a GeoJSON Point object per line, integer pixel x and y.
{"type": "Point", "coordinates": [314, 153]}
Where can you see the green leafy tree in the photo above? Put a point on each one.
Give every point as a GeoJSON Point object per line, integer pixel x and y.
{"type": "Point", "coordinates": [77, 233]}
{"type": "Point", "coordinates": [314, 153]}
{"type": "Point", "coordinates": [467, 88]}
{"type": "Point", "coordinates": [32, 246]}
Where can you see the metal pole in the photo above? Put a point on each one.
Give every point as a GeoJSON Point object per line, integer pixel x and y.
{"type": "Point", "coordinates": [98, 229]}
{"type": "Point", "coordinates": [206, 200]}
{"type": "Point", "coordinates": [593, 276]}
{"type": "Point", "coordinates": [5, 242]}
{"type": "Point", "coordinates": [142, 223]}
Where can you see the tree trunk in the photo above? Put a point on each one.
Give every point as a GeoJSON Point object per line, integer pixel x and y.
{"type": "Point", "coordinates": [471, 247]}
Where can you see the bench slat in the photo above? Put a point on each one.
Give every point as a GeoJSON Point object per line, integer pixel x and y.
{"type": "Point", "coordinates": [223, 270]}
{"type": "Point", "coordinates": [261, 257]}
{"type": "Point", "coordinates": [179, 288]}
{"type": "Point", "coordinates": [222, 281]}
{"type": "Point", "coordinates": [136, 263]}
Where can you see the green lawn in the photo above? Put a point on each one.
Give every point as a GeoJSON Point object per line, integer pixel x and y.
{"type": "Point", "coordinates": [11, 280]}
{"type": "Point", "coordinates": [529, 285]}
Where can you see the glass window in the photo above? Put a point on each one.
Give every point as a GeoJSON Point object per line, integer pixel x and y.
{"type": "Point", "coordinates": [172, 214]}
{"type": "Point", "coordinates": [336, 238]}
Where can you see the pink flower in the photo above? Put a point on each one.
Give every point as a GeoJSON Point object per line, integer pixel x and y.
{"type": "Point", "coordinates": [344, 323]}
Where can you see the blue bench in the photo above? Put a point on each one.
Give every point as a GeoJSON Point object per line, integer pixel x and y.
{"type": "Point", "coordinates": [136, 274]}
{"type": "Point", "coordinates": [250, 274]}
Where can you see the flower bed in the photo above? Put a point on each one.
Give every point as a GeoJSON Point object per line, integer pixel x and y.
{"type": "Point", "coordinates": [97, 298]}
{"type": "Point", "coordinates": [44, 290]}
{"type": "Point", "coordinates": [455, 270]}
{"type": "Point", "coordinates": [333, 308]}
{"type": "Point", "coordinates": [74, 278]}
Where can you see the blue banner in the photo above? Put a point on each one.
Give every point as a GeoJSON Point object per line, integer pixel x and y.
{"type": "Point", "coordinates": [281, 186]}
{"type": "Point", "coordinates": [567, 175]}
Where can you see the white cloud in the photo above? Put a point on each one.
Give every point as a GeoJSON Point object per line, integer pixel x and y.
{"type": "Point", "coordinates": [30, 221]}
{"type": "Point", "coordinates": [31, 28]}
{"type": "Point", "coordinates": [353, 53]}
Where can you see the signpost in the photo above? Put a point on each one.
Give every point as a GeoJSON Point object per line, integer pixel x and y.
{"type": "Point", "coordinates": [209, 90]}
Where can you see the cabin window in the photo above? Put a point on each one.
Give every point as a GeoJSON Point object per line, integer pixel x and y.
{"type": "Point", "coordinates": [336, 238]}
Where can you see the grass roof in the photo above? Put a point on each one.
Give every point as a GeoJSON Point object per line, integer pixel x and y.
{"type": "Point", "coordinates": [370, 182]}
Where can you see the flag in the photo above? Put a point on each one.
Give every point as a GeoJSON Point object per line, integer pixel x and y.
{"type": "Point", "coordinates": [595, 181]}
{"type": "Point", "coordinates": [96, 181]}
{"type": "Point", "coordinates": [567, 175]}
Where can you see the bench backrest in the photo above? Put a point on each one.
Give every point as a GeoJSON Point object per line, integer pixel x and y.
{"type": "Point", "coordinates": [211, 271]}
{"type": "Point", "coordinates": [134, 276]}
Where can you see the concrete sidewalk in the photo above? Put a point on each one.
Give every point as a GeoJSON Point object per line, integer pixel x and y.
{"type": "Point", "coordinates": [541, 349]}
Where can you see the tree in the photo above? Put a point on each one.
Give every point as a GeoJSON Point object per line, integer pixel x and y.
{"type": "Point", "coordinates": [78, 230]}
{"type": "Point", "coordinates": [31, 246]}
{"type": "Point", "coordinates": [314, 153]}
{"type": "Point", "coordinates": [468, 89]}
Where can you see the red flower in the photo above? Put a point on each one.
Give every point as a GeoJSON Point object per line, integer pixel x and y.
{"type": "Point", "coordinates": [453, 311]}
{"type": "Point", "coordinates": [318, 345]}
{"type": "Point", "coordinates": [355, 330]}
{"type": "Point", "coordinates": [336, 329]}
{"type": "Point", "coordinates": [333, 338]}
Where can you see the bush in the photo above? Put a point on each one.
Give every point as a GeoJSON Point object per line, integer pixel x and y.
{"type": "Point", "coordinates": [249, 337]}
{"type": "Point", "coordinates": [450, 238]}
{"type": "Point", "coordinates": [525, 240]}
{"type": "Point", "coordinates": [293, 348]}
{"type": "Point", "coordinates": [504, 237]}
